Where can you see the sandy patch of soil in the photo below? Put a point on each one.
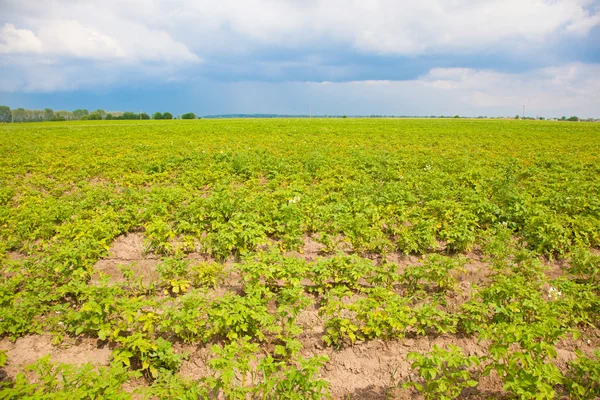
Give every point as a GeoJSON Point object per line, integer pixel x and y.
{"type": "Point", "coordinates": [15, 256]}
{"type": "Point", "coordinates": [29, 349]}
{"type": "Point", "coordinates": [373, 370]}
{"type": "Point", "coordinates": [127, 247]}
{"type": "Point", "coordinates": [196, 365]}
{"type": "Point", "coordinates": [127, 250]}
{"type": "Point", "coordinates": [141, 269]}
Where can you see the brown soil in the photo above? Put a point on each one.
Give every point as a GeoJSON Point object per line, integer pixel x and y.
{"type": "Point", "coordinates": [141, 269]}
{"type": "Point", "coordinates": [28, 349]}
{"type": "Point", "coordinates": [127, 247]}
{"type": "Point", "coordinates": [15, 256]}
{"type": "Point", "coordinates": [127, 250]}
{"type": "Point", "coordinates": [311, 248]}
{"type": "Point", "coordinates": [196, 365]}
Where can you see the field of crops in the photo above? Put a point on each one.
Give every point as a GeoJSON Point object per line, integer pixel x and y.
{"type": "Point", "coordinates": [302, 259]}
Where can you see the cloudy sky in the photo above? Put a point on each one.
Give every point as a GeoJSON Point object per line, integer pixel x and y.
{"type": "Point", "coordinates": [467, 57]}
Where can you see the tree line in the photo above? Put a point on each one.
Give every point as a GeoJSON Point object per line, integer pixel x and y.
{"type": "Point", "coordinates": [81, 114]}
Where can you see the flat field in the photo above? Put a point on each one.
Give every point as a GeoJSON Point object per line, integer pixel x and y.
{"type": "Point", "coordinates": [351, 258]}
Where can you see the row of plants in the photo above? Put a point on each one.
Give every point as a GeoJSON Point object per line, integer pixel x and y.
{"type": "Point", "coordinates": [522, 197]}
{"type": "Point", "coordinates": [357, 300]}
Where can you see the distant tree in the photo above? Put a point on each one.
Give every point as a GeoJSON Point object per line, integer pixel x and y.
{"type": "Point", "coordinates": [157, 115]}
{"type": "Point", "coordinates": [573, 118]}
{"type": "Point", "coordinates": [188, 116]}
{"type": "Point", "coordinates": [129, 115]}
{"type": "Point", "coordinates": [108, 117]}
{"type": "Point", "coordinates": [345, 116]}
{"type": "Point", "coordinates": [48, 114]}
{"type": "Point", "coordinates": [167, 115]}
{"type": "Point", "coordinates": [563, 118]}
{"type": "Point", "coordinates": [517, 116]}
{"type": "Point", "coordinates": [84, 118]}
{"type": "Point", "coordinates": [5, 114]}
{"type": "Point", "coordinates": [64, 114]}
{"type": "Point", "coordinates": [457, 116]}
{"type": "Point", "coordinates": [80, 113]}
{"type": "Point", "coordinates": [37, 115]}
{"type": "Point", "coordinates": [94, 116]}
{"type": "Point", "coordinates": [144, 116]}
{"type": "Point", "coordinates": [101, 113]}
{"type": "Point", "coordinates": [542, 118]}
{"type": "Point", "coordinates": [18, 115]}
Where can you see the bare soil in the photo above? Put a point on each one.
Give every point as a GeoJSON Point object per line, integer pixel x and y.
{"type": "Point", "coordinates": [127, 251]}
{"type": "Point", "coordinates": [29, 349]}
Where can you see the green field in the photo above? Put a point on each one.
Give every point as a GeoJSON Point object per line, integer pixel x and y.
{"type": "Point", "coordinates": [300, 258]}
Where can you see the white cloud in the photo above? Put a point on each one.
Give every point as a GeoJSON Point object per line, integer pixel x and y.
{"type": "Point", "coordinates": [582, 26]}
{"type": "Point", "coordinates": [127, 42]}
{"type": "Point", "coordinates": [71, 38]}
{"type": "Point", "coordinates": [377, 26]}
{"type": "Point", "coordinates": [13, 40]}
{"type": "Point", "coordinates": [573, 87]}
{"type": "Point", "coordinates": [145, 29]}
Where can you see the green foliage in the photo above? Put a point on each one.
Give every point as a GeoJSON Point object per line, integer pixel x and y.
{"type": "Point", "coordinates": [5, 114]}
{"type": "Point", "coordinates": [233, 317]}
{"type": "Point", "coordinates": [174, 387]}
{"type": "Point", "coordinates": [430, 319]}
{"type": "Point", "coordinates": [188, 318]}
{"type": "Point", "coordinates": [153, 357]}
{"type": "Point", "coordinates": [583, 379]}
{"type": "Point", "coordinates": [80, 113]}
{"type": "Point", "coordinates": [189, 115]}
{"type": "Point", "coordinates": [44, 379]}
{"type": "Point", "coordinates": [174, 274]}
{"type": "Point", "coordinates": [239, 373]}
{"type": "Point", "coordinates": [434, 275]}
{"type": "Point", "coordinates": [340, 270]}
{"type": "Point", "coordinates": [521, 354]}
{"type": "Point", "coordinates": [207, 274]}
{"type": "Point", "coordinates": [382, 314]}
{"type": "Point", "coordinates": [443, 373]}
{"type": "Point", "coordinates": [256, 230]}
{"type": "Point", "coordinates": [586, 266]}
{"type": "Point", "coordinates": [274, 271]}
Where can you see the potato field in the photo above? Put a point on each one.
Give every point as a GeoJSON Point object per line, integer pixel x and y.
{"type": "Point", "coordinates": [300, 259]}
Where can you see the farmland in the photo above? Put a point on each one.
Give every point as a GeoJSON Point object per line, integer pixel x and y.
{"type": "Point", "coordinates": [297, 258]}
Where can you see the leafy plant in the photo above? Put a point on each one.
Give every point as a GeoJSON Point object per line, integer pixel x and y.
{"type": "Point", "coordinates": [522, 356]}
{"type": "Point", "coordinates": [340, 270]}
{"type": "Point", "coordinates": [583, 379]}
{"type": "Point", "coordinates": [175, 275]}
{"type": "Point", "coordinates": [434, 275]}
{"type": "Point", "coordinates": [153, 357]}
{"type": "Point", "coordinates": [45, 379]}
{"type": "Point", "coordinates": [443, 373]}
{"type": "Point", "coordinates": [238, 372]}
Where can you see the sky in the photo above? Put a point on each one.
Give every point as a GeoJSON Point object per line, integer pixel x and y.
{"type": "Point", "coordinates": [384, 57]}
